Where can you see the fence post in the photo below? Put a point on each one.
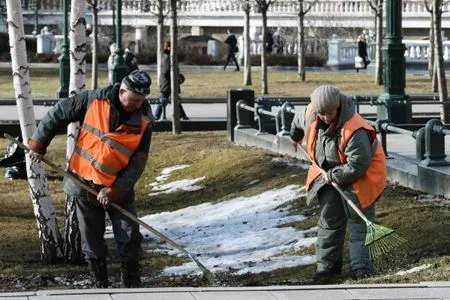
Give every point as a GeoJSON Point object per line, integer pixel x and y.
{"type": "Point", "coordinates": [234, 95]}
{"type": "Point", "coordinates": [286, 119]}
{"type": "Point", "coordinates": [419, 135]}
{"type": "Point", "coordinates": [434, 145]}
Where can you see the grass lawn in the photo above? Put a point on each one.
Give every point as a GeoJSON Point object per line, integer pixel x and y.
{"type": "Point", "coordinates": [424, 225]}
{"type": "Point", "coordinates": [45, 82]}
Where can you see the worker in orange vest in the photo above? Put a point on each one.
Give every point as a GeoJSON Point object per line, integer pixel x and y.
{"type": "Point", "coordinates": [110, 155]}
{"type": "Point", "coordinates": [343, 144]}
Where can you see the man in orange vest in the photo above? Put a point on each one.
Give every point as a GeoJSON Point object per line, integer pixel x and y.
{"type": "Point", "coordinates": [343, 144]}
{"type": "Point", "coordinates": [110, 155]}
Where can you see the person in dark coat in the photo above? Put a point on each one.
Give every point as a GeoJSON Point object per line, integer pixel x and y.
{"type": "Point", "coordinates": [110, 156]}
{"type": "Point", "coordinates": [130, 58]}
{"type": "Point", "coordinates": [164, 84]}
{"type": "Point", "coordinates": [231, 41]}
{"type": "Point", "coordinates": [269, 42]}
{"type": "Point", "coordinates": [362, 50]}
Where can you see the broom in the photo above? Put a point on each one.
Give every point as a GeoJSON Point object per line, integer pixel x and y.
{"type": "Point", "coordinates": [380, 240]}
{"type": "Point", "coordinates": [209, 276]}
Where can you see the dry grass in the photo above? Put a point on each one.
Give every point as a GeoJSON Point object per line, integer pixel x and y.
{"type": "Point", "coordinates": [215, 83]}
{"type": "Point", "coordinates": [425, 226]}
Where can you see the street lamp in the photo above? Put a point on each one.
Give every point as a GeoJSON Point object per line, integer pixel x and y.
{"type": "Point", "coordinates": [396, 105]}
{"type": "Point", "coordinates": [64, 68]}
{"type": "Point", "coordinates": [36, 15]}
{"type": "Point", "coordinates": [119, 69]}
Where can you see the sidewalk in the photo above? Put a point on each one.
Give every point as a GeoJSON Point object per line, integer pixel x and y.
{"type": "Point", "coordinates": [425, 290]}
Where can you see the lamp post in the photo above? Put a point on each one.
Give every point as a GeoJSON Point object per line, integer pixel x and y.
{"type": "Point", "coordinates": [36, 15]}
{"type": "Point", "coordinates": [119, 69]}
{"type": "Point", "coordinates": [396, 105]}
{"type": "Point", "coordinates": [114, 22]}
{"type": "Point", "coordinates": [64, 68]}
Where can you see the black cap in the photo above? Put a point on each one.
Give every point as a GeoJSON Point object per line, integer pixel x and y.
{"type": "Point", "coordinates": [138, 82]}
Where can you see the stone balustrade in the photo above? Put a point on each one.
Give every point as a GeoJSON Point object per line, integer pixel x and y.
{"type": "Point", "coordinates": [342, 52]}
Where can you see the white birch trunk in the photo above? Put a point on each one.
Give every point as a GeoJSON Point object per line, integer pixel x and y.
{"type": "Point", "coordinates": [300, 44]}
{"type": "Point", "coordinates": [44, 211]}
{"type": "Point", "coordinates": [72, 242]}
{"type": "Point", "coordinates": [264, 83]}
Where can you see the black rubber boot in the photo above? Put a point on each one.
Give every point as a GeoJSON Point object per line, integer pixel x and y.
{"type": "Point", "coordinates": [131, 277]}
{"type": "Point", "coordinates": [99, 274]}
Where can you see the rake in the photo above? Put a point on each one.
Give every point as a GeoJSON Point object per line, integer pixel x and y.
{"type": "Point", "coordinates": [380, 240]}
{"type": "Point", "coordinates": [208, 274]}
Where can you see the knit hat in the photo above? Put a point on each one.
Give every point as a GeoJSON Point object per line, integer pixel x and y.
{"type": "Point", "coordinates": [138, 82]}
{"type": "Point", "coordinates": [326, 98]}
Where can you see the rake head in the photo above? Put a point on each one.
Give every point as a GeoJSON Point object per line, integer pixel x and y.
{"type": "Point", "coordinates": [381, 240]}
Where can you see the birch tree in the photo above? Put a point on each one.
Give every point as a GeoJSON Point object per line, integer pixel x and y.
{"type": "Point", "coordinates": [439, 60]}
{"type": "Point", "coordinates": [44, 211]}
{"type": "Point", "coordinates": [94, 75]}
{"type": "Point", "coordinates": [176, 125]}
{"type": "Point", "coordinates": [303, 9]}
{"type": "Point", "coordinates": [263, 6]}
{"type": "Point", "coordinates": [377, 7]}
{"type": "Point", "coordinates": [72, 239]}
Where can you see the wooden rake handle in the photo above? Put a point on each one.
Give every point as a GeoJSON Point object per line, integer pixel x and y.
{"type": "Point", "coordinates": [336, 186]}
{"type": "Point", "coordinates": [95, 193]}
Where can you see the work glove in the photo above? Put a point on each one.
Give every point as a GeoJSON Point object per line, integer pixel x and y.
{"type": "Point", "coordinates": [103, 196]}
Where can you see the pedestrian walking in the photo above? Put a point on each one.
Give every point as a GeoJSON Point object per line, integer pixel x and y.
{"type": "Point", "coordinates": [231, 41]}
{"type": "Point", "coordinates": [110, 155]}
{"type": "Point", "coordinates": [112, 55]}
{"type": "Point", "coordinates": [164, 85]}
{"type": "Point", "coordinates": [342, 143]}
{"type": "Point", "coordinates": [362, 53]}
{"type": "Point", "coordinates": [130, 58]}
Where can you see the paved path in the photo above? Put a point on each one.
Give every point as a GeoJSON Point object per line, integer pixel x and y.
{"type": "Point", "coordinates": [425, 290]}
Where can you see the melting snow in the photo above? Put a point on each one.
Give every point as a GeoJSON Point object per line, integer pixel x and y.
{"type": "Point", "coordinates": [415, 269]}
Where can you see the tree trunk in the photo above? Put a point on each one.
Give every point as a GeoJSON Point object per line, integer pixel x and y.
{"type": "Point", "coordinates": [301, 44]}
{"type": "Point", "coordinates": [72, 242]}
{"type": "Point", "coordinates": [379, 46]}
{"type": "Point", "coordinates": [247, 56]}
{"type": "Point", "coordinates": [176, 126]}
{"type": "Point", "coordinates": [264, 84]}
{"type": "Point", "coordinates": [160, 38]}
{"type": "Point", "coordinates": [94, 83]}
{"type": "Point", "coordinates": [442, 82]}
{"type": "Point", "coordinates": [431, 54]}
{"type": "Point", "coordinates": [44, 211]}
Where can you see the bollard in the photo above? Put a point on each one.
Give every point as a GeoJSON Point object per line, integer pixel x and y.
{"type": "Point", "coordinates": [434, 145]}
{"type": "Point", "coordinates": [265, 122]}
{"type": "Point", "coordinates": [286, 118]}
{"type": "Point", "coordinates": [244, 117]}
{"type": "Point", "coordinates": [234, 95]}
{"type": "Point", "coordinates": [419, 135]}
{"type": "Point", "coordinates": [381, 127]}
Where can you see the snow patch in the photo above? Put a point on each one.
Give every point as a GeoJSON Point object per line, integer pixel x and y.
{"type": "Point", "coordinates": [414, 270]}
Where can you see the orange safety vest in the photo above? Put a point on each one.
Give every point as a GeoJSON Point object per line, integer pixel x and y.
{"type": "Point", "coordinates": [99, 154]}
{"type": "Point", "coordinates": [369, 186]}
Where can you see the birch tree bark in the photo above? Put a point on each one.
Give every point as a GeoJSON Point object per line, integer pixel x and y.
{"type": "Point", "coordinates": [72, 239]}
{"type": "Point", "coordinates": [94, 76]}
{"type": "Point", "coordinates": [44, 211]}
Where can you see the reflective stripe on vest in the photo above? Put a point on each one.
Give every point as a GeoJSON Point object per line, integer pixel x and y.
{"type": "Point", "coordinates": [99, 154]}
{"type": "Point", "coordinates": [369, 186]}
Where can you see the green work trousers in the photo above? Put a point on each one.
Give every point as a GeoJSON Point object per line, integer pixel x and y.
{"type": "Point", "coordinates": [332, 225]}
